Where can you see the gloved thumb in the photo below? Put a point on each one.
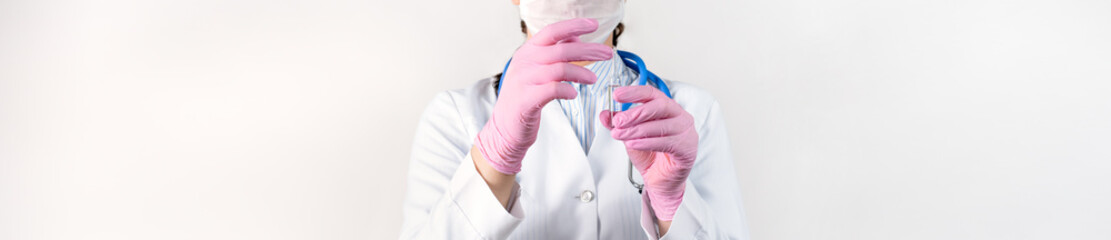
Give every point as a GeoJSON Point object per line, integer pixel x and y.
{"type": "Point", "coordinates": [604, 117]}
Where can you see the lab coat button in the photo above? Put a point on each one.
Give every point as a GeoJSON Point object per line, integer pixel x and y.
{"type": "Point", "coordinates": [586, 196]}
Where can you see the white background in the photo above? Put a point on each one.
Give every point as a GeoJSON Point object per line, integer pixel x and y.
{"type": "Point", "coordinates": [868, 119]}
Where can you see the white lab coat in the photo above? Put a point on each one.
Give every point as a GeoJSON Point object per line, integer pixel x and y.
{"type": "Point", "coordinates": [563, 193]}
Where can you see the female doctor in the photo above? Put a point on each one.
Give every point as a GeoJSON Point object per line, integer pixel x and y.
{"type": "Point", "coordinates": [522, 156]}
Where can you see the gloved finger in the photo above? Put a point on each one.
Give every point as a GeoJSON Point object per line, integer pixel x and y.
{"type": "Point", "coordinates": [668, 144]}
{"type": "Point", "coordinates": [563, 30]}
{"type": "Point", "coordinates": [570, 40]}
{"type": "Point", "coordinates": [536, 97]}
{"type": "Point", "coordinates": [656, 128]}
{"type": "Point", "coordinates": [560, 90]}
{"type": "Point", "coordinates": [637, 94]}
{"type": "Point", "coordinates": [573, 51]}
{"type": "Point", "coordinates": [604, 117]}
{"type": "Point", "coordinates": [653, 110]}
{"type": "Point", "coordinates": [559, 72]}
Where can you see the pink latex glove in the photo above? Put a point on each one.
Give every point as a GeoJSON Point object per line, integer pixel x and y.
{"type": "Point", "coordinates": [661, 142]}
{"type": "Point", "coordinates": [536, 76]}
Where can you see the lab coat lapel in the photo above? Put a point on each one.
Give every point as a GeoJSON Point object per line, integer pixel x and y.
{"type": "Point", "coordinates": [610, 167]}
{"type": "Point", "coordinates": [605, 151]}
{"type": "Point", "coordinates": [556, 145]}
{"type": "Point", "coordinates": [554, 173]}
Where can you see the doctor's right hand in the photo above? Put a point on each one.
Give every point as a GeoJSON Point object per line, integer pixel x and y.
{"type": "Point", "coordinates": [535, 76]}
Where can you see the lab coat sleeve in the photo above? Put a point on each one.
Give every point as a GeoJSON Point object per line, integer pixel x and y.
{"type": "Point", "coordinates": [711, 207]}
{"type": "Point", "coordinates": [446, 198]}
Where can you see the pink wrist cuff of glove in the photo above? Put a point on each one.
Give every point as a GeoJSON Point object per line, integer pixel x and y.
{"type": "Point", "coordinates": [665, 204]}
{"type": "Point", "coordinates": [489, 142]}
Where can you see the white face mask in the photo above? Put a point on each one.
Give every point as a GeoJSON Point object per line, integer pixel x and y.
{"type": "Point", "coordinates": [537, 14]}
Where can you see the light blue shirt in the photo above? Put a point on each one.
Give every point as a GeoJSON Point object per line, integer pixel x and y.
{"type": "Point", "coordinates": [583, 110]}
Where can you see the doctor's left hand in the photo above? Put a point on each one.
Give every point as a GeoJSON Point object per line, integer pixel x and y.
{"type": "Point", "coordinates": [661, 141]}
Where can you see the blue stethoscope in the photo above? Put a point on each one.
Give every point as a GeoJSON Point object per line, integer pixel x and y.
{"type": "Point", "coordinates": [632, 61]}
